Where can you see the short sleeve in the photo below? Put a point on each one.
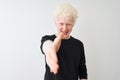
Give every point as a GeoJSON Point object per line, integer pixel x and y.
{"type": "Point", "coordinates": [45, 41]}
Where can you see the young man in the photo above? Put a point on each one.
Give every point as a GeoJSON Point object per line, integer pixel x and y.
{"type": "Point", "coordinates": [64, 55]}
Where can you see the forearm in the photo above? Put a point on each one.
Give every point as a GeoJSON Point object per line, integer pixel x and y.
{"type": "Point", "coordinates": [56, 43]}
{"type": "Point", "coordinates": [51, 57]}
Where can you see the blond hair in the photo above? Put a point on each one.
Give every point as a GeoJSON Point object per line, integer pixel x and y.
{"type": "Point", "coordinates": [65, 10]}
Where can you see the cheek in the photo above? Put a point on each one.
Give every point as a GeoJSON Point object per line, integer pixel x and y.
{"type": "Point", "coordinates": [59, 28]}
{"type": "Point", "coordinates": [70, 29]}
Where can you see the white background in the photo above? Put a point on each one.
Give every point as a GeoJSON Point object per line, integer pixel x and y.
{"type": "Point", "coordinates": [24, 22]}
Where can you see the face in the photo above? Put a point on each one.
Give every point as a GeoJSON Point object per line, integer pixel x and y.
{"type": "Point", "coordinates": [64, 26]}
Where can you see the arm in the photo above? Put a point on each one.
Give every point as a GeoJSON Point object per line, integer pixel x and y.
{"type": "Point", "coordinates": [50, 49]}
{"type": "Point", "coordinates": [53, 45]}
{"type": "Point", "coordinates": [56, 43]}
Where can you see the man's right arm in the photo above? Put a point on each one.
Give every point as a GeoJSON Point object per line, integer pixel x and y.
{"type": "Point", "coordinates": [50, 49]}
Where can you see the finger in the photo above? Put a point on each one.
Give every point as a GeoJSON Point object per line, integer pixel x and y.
{"type": "Point", "coordinates": [61, 34]}
{"type": "Point", "coordinates": [55, 70]}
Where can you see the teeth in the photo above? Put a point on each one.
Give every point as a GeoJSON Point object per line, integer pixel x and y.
{"type": "Point", "coordinates": [64, 32]}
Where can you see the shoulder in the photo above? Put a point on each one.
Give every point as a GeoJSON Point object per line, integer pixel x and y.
{"type": "Point", "coordinates": [77, 41]}
{"type": "Point", "coordinates": [47, 37]}
{"type": "Point", "coordinates": [46, 40]}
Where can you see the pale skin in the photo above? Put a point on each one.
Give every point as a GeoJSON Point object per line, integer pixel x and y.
{"type": "Point", "coordinates": [64, 28]}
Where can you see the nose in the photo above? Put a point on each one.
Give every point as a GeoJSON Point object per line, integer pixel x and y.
{"type": "Point", "coordinates": [64, 28]}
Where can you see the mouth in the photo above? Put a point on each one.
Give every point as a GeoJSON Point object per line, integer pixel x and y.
{"type": "Point", "coordinates": [65, 33]}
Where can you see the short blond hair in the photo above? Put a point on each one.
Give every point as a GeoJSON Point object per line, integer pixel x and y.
{"type": "Point", "coordinates": [65, 10]}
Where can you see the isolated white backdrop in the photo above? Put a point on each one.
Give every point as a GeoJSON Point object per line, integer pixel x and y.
{"type": "Point", "coordinates": [24, 22]}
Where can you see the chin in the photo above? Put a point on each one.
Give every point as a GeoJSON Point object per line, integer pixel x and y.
{"type": "Point", "coordinates": [65, 36]}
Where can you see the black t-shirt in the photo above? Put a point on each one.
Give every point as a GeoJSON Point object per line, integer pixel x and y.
{"type": "Point", "coordinates": [71, 60]}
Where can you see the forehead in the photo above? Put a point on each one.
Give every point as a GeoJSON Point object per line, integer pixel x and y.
{"type": "Point", "coordinates": [64, 19]}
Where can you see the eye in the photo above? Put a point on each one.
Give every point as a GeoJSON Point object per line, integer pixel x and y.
{"type": "Point", "coordinates": [61, 24]}
{"type": "Point", "coordinates": [69, 24]}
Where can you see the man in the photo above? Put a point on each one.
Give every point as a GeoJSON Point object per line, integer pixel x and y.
{"type": "Point", "coordinates": [64, 55]}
